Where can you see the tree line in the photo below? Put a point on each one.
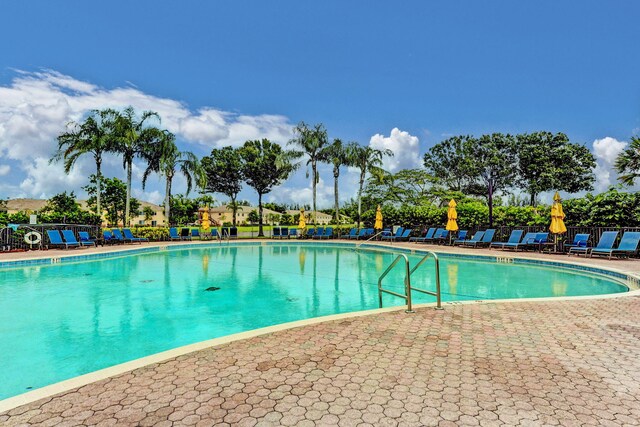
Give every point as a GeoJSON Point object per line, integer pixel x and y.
{"type": "Point", "coordinates": [481, 167]}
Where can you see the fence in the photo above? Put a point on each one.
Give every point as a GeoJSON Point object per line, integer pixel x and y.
{"type": "Point", "coordinates": [12, 238]}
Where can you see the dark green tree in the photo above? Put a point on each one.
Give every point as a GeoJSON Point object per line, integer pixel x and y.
{"type": "Point", "coordinates": [312, 143]}
{"type": "Point", "coordinates": [548, 161]}
{"type": "Point", "coordinates": [491, 160]}
{"type": "Point", "coordinates": [628, 162]}
{"type": "Point", "coordinates": [448, 162]}
{"type": "Point", "coordinates": [276, 207]}
{"type": "Point", "coordinates": [253, 217]}
{"type": "Point", "coordinates": [114, 198]}
{"type": "Point", "coordinates": [182, 210]}
{"type": "Point", "coordinates": [264, 166]}
{"type": "Point", "coordinates": [223, 168]}
{"type": "Point", "coordinates": [368, 160]}
{"type": "Point", "coordinates": [406, 187]}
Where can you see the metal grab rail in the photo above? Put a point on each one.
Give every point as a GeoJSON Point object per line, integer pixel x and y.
{"type": "Point", "coordinates": [424, 291]}
{"type": "Point", "coordinates": [407, 282]}
{"type": "Point", "coordinates": [369, 239]}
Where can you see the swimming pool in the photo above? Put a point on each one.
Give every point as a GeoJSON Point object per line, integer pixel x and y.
{"type": "Point", "coordinates": [63, 320]}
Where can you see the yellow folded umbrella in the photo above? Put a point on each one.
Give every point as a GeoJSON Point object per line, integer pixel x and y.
{"type": "Point", "coordinates": [378, 224]}
{"type": "Point", "coordinates": [452, 216]}
{"type": "Point", "coordinates": [302, 223]}
{"type": "Point", "coordinates": [557, 216]}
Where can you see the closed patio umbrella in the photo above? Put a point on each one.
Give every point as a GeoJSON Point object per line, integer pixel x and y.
{"type": "Point", "coordinates": [378, 224]}
{"type": "Point", "coordinates": [557, 216]}
{"type": "Point", "coordinates": [302, 223]}
{"type": "Point", "coordinates": [452, 217]}
{"type": "Point", "coordinates": [206, 224]}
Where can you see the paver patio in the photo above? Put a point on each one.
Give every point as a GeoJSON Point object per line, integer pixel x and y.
{"type": "Point", "coordinates": [522, 363]}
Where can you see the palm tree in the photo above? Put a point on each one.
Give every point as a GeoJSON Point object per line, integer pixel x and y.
{"type": "Point", "coordinates": [94, 136]}
{"type": "Point", "coordinates": [628, 162]}
{"type": "Point", "coordinates": [164, 158]}
{"type": "Point", "coordinates": [336, 154]}
{"type": "Point", "coordinates": [133, 140]}
{"type": "Point", "coordinates": [311, 142]}
{"type": "Point", "coordinates": [368, 160]}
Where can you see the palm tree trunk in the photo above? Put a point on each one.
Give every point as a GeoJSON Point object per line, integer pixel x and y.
{"type": "Point", "coordinates": [362, 174]}
{"type": "Point", "coordinates": [99, 189]}
{"type": "Point", "coordinates": [167, 200]}
{"type": "Point", "coordinates": [128, 201]}
{"type": "Point", "coordinates": [234, 209]}
{"type": "Point", "coordinates": [490, 200]}
{"type": "Point", "coordinates": [315, 180]}
{"type": "Point", "coordinates": [336, 174]}
{"type": "Point", "coordinates": [260, 232]}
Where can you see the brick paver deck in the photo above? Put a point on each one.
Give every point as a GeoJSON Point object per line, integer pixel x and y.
{"type": "Point", "coordinates": [522, 363]}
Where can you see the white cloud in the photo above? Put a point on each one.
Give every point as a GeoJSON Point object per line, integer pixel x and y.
{"type": "Point", "coordinates": [4, 170]}
{"type": "Point", "coordinates": [406, 149]}
{"type": "Point", "coordinates": [606, 150]}
{"type": "Point", "coordinates": [36, 106]}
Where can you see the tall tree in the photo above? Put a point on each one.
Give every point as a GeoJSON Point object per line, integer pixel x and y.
{"type": "Point", "coordinates": [264, 166]}
{"type": "Point", "coordinates": [224, 174]}
{"type": "Point", "coordinates": [628, 162]}
{"type": "Point", "coordinates": [94, 136]}
{"type": "Point", "coordinates": [311, 142]}
{"type": "Point", "coordinates": [166, 159]}
{"type": "Point", "coordinates": [337, 155]}
{"type": "Point", "coordinates": [368, 160]}
{"type": "Point", "coordinates": [406, 187]}
{"type": "Point", "coordinates": [491, 159]}
{"type": "Point", "coordinates": [134, 137]}
{"type": "Point", "coordinates": [447, 161]}
{"type": "Point", "coordinates": [548, 161]}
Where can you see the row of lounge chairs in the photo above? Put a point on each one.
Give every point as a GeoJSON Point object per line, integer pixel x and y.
{"type": "Point", "coordinates": [115, 236]}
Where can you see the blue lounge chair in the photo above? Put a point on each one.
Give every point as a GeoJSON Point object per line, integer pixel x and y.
{"type": "Point", "coordinates": [173, 234]}
{"type": "Point", "coordinates": [233, 233]}
{"type": "Point", "coordinates": [328, 233]}
{"type": "Point", "coordinates": [361, 234]}
{"type": "Point", "coordinates": [627, 247]}
{"type": "Point", "coordinates": [406, 235]}
{"type": "Point", "coordinates": [275, 233]}
{"type": "Point", "coordinates": [514, 239]}
{"type": "Point", "coordinates": [436, 236]}
{"type": "Point", "coordinates": [214, 233]}
{"type": "Point", "coordinates": [605, 243]}
{"type": "Point", "coordinates": [353, 233]}
{"type": "Point", "coordinates": [487, 237]}
{"type": "Point", "coordinates": [527, 241]}
{"type": "Point", "coordinates": [477, 236]}
{"type": "Point", "coordinates": [397, 234]}
{"type": "Point", "coordinates": [538, 241]}
{"type": "Point", "coordinates": [129, 236]}
{"type": "Point", "coordinates": [579, 241]}
{"type": "Point", "coordinates": [195, 233]}
{"type": "Point", "coordinates": [119, 237]}
{"type": "Point", "coordinates": [70, 239]}
{"type": "Point", "coordinates": [319, 232]}
{"type": "Point", "coordinates": [428, 235]}
{"type": "Point", "coordinates": [310, 233]}
{"type": "Point", "coordinates": [185, 234]}
{"type": "Point", "coordinates": [293, 232]}
{"type": "Point", "coordinates": [55, 239]}
{"type": "Point", "coordinates": [85, 239]}
{"type": "Point", "coordinates": [284, 232]}
{"type": "Point", "coordinates": [108, 237]}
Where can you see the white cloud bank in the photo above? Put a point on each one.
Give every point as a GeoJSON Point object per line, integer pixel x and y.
{"type": "Point", "coordinates": [406, 149]}
{"type": "Point", "coordinates": [606, 150]}
{"type": "Point", "coordinates": [36, 106]}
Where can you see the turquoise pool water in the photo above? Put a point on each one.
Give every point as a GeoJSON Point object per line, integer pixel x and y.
{"type": "Point", "coordinates": [61, 321]}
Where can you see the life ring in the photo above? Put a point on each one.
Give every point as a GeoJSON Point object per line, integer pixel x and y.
{"type": "Point", "coordinates": [32, 238]}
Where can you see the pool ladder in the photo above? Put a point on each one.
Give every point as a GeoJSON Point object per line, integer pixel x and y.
{"type": "Point", "coordinates": [407, 281]}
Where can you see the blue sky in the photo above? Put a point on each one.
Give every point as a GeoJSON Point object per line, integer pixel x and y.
{"type": "Point", "coordinates": [222, 72]}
